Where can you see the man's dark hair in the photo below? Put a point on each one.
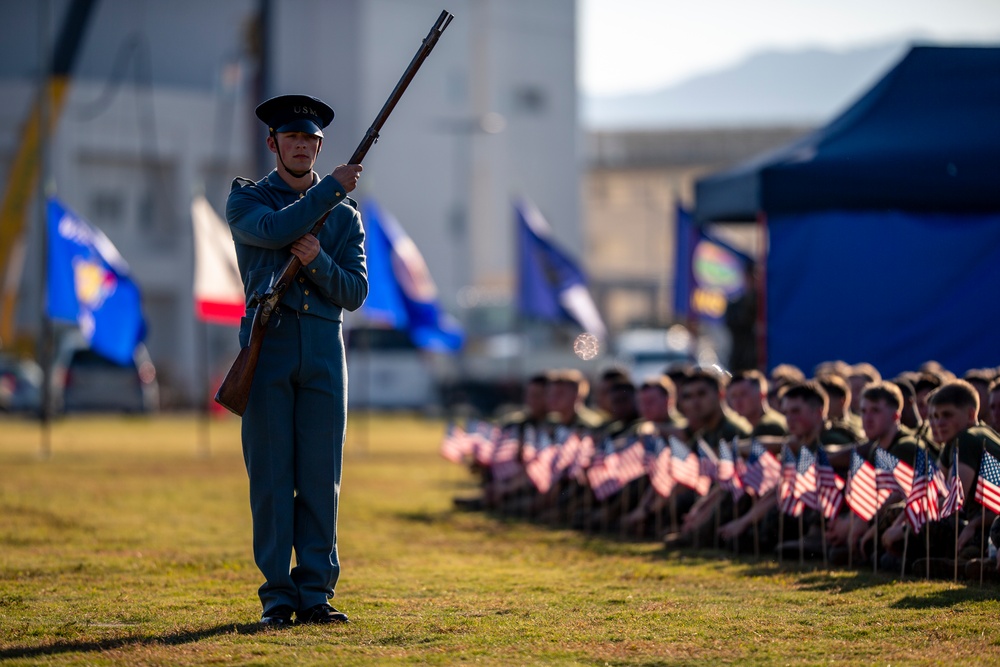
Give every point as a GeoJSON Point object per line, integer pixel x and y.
{"type": "Point", "coordinates": [958, 393]}
{"type": "Point", "coordinates": [883, 391]}
{"type": "Point", "coordinates": [539, 378]}
{"type": "Point", "coordinates": [835, 385]}
{"type": "Point", "coordinates": [614, 374]}
{"type": "Point", "coordinates": [810, 391]}
{"type": "Point", "coordinates": [927, 382]}
{"type": "Point", "coordinates": [867, 371]}
{"type": "Point", "coordinates": [787, 373]}
{"type": "Point", "coordinates": [979, 376]}
{"type": "Point", "coordinates": [663, 383]}
{"type": "Point", "coordinates": [753, 376]}
{"type": "Point", "coordinates": [709, 377]}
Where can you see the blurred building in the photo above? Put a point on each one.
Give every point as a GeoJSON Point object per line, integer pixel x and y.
{"type": "Point", "coordinates": [161, 107]}
{"type": "Point", "coordinates": [633, 184]}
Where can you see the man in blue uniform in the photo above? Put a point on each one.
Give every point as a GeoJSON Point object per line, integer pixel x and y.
{"type": "Point", "coordinates": [294, 424]}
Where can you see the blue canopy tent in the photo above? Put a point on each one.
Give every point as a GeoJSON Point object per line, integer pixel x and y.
{"type": "Point", "coordinates": [883, 227]}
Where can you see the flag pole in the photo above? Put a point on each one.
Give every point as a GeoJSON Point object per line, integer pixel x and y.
{"type": "Point", "coordinates": [45, 346]}
{"type": "Point", "coordinates": [822, 532]}
{"type": "Point", "coordinates": [875, 541]}
{"type": "Point", "coordinates": [204, 441]}
{"type": "Point", "coordinates": [781, 533]}
{"type": "Point", "coordinates": [927, 548]}
{"type": "Point", "coordinates": [982, 515]}
{"type": "Point", "coordinates": [906, 542]}
{"type": "Point", "coordinates": [802, 544]}
{"type": "Point", "coordinates": [850, 540]}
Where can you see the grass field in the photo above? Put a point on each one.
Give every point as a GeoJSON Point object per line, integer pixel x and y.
{"type": "Point", "coordinates": [131, 545]}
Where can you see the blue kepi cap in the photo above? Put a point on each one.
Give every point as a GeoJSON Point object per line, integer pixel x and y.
{"type": "Point", "coordinates": [295, 113]}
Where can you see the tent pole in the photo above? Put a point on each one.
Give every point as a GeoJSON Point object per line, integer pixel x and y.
{"type": "Point", "coordinates": [762, 252]}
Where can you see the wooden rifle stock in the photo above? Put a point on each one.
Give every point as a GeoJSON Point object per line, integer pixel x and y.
{"type": "Point", "coordinates": [234, 392]}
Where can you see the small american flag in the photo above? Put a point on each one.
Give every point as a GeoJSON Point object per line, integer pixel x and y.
{"type": "Point", "coordinates": [891, 473]}
{"type": "Point", "coordinates": [955, 498]}
{"type": "Point", "coordinates": [506, 463]}
{"type": "Point", "coordinates": [568, 453]}
{"type": "Point", "coordinates": [830, 485]}
{"type": "Point", "coordinates": [659, 470]}
{"type": "Point", "coordinates": [539, 468]}
{"type": "Point", "coordinates": [763, 470]}
{"type": "Point", "coordinates": [584, 457]}
{"type": "Point", "coordinates": [631, 464]}
{"type": "Point", "coordinates": [601, 477]}
{"type": "Point", "coordinates": [806, 486]}
{"type": "Point", "coordinates": [787, 502]}
{"type": "Point", "coordinates": [484, 437]}
{"type": "Point", "coordinates": [727, 469]}
{"type": "Point", "coordinates": [988, 484]}
{"type": "Point", "coordinates": [861, 494]}
{"type": "Point", "coordinates": [455, 445]}
{"type": "Point", "coordinates": [916, 499]}
{"type": "Point", "coordinates": [707, 467]}
{"type": "Point", "coordinates": [684, 466]}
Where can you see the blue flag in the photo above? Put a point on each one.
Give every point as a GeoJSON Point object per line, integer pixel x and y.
{"type": "Point", "coordinates": [709, 271]}
{"type": "Point", "coordinates": [89, 283]}
{"type": "Point", "coordinates": [550, 285]}
{"type": "Point", "coordinates": [401, 292]}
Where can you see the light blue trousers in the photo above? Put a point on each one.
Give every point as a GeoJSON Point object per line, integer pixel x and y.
{"type": "Point", "coordinates": [293, 443]}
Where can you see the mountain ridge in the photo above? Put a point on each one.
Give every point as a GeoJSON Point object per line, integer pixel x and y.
{"type": "Point", "coordinates": [768, 88]}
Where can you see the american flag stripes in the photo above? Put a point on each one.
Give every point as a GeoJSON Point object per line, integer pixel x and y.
{"type": "Point", "coordinates": [955, 498]}
{"type": "Point", "coordinates": [568, 453]}
{"type": "Point", "coordinates": [829, 485]}
{"type": "Point", "coordinates": [763, 470]}
{"type": "Point", "coordinates": [916, 499]}
{"type": "Point", "coordinates": [615, 470]}
{"type": "Point", "coordinates": [684, 466]}
{"type": "Point", "coordinates": [484, 437]}
{"type": "Point", "coordinates": [861, 494]}
{"type": "Point", "coordinates": [707, 467]}
{"type": "Point", "coordinates": [988, 484]}
{"type": "Point", "coordinates": [539, 467]}
{"type": "Point", "coordinates": [726, 470]}
{"type": "Point", "coordinates": [891, 473]}
{"type": "Point", "coordinates": [506, 462]}
{"type": "Point", "coordinates": [659, 470]}
{"type": "Point", "coordinates": [806, 486]}
{"type": "Point", "coordinates": [455, 445]}
{"type": "Point", "coordinates": [787, 502]}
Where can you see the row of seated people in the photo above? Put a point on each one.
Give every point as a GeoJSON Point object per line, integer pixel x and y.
{"type": "Point", "coordinates": [700, 432]}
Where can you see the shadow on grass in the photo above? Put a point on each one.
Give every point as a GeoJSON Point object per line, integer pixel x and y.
{"type": "Point", "coordinates": [94, 646]}
{"type": "Point", "coordinates": [947, 598]}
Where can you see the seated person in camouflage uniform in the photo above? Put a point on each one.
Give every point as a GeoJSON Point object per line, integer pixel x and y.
{"type": "Point", "coordinates": [747, 396]}
{"type": "Point", "coordinates": [993, 415]}
{"type": "Point", "coordinates": [840, 416]}
{"type": "Point", "coordinates": [804, 405]}
{"type": "Point", "coordinates": [953, 411]}
{"type": "Point", "coordinates": [881, 407]}
{"type": "Point", "coordinates": [781, 376]}
{"type": "Point", "coordinates": [861, 375]}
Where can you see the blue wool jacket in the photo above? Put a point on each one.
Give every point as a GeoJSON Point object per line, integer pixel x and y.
{"type": "Point", "coordinates": [267, 216]}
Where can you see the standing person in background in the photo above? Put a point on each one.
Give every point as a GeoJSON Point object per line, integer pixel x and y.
{"type": "Point", "coordinates": [741, 320]}
{"type": "Point", "coordinates": [296, 416]}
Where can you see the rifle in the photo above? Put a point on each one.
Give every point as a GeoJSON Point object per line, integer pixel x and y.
{"type": "Point", "coordinates": [235, 390]}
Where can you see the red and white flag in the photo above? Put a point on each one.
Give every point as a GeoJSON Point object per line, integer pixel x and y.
{"type": "Point", "coordinates": [988, 484]}
{"type": "Point", "coordinates": [218, 288]}
{"type": "Point", "coordinates": [658, 467]}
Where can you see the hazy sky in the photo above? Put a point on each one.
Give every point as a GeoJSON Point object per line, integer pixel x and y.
{"type": "Point", "coordinates": [634, 45]}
